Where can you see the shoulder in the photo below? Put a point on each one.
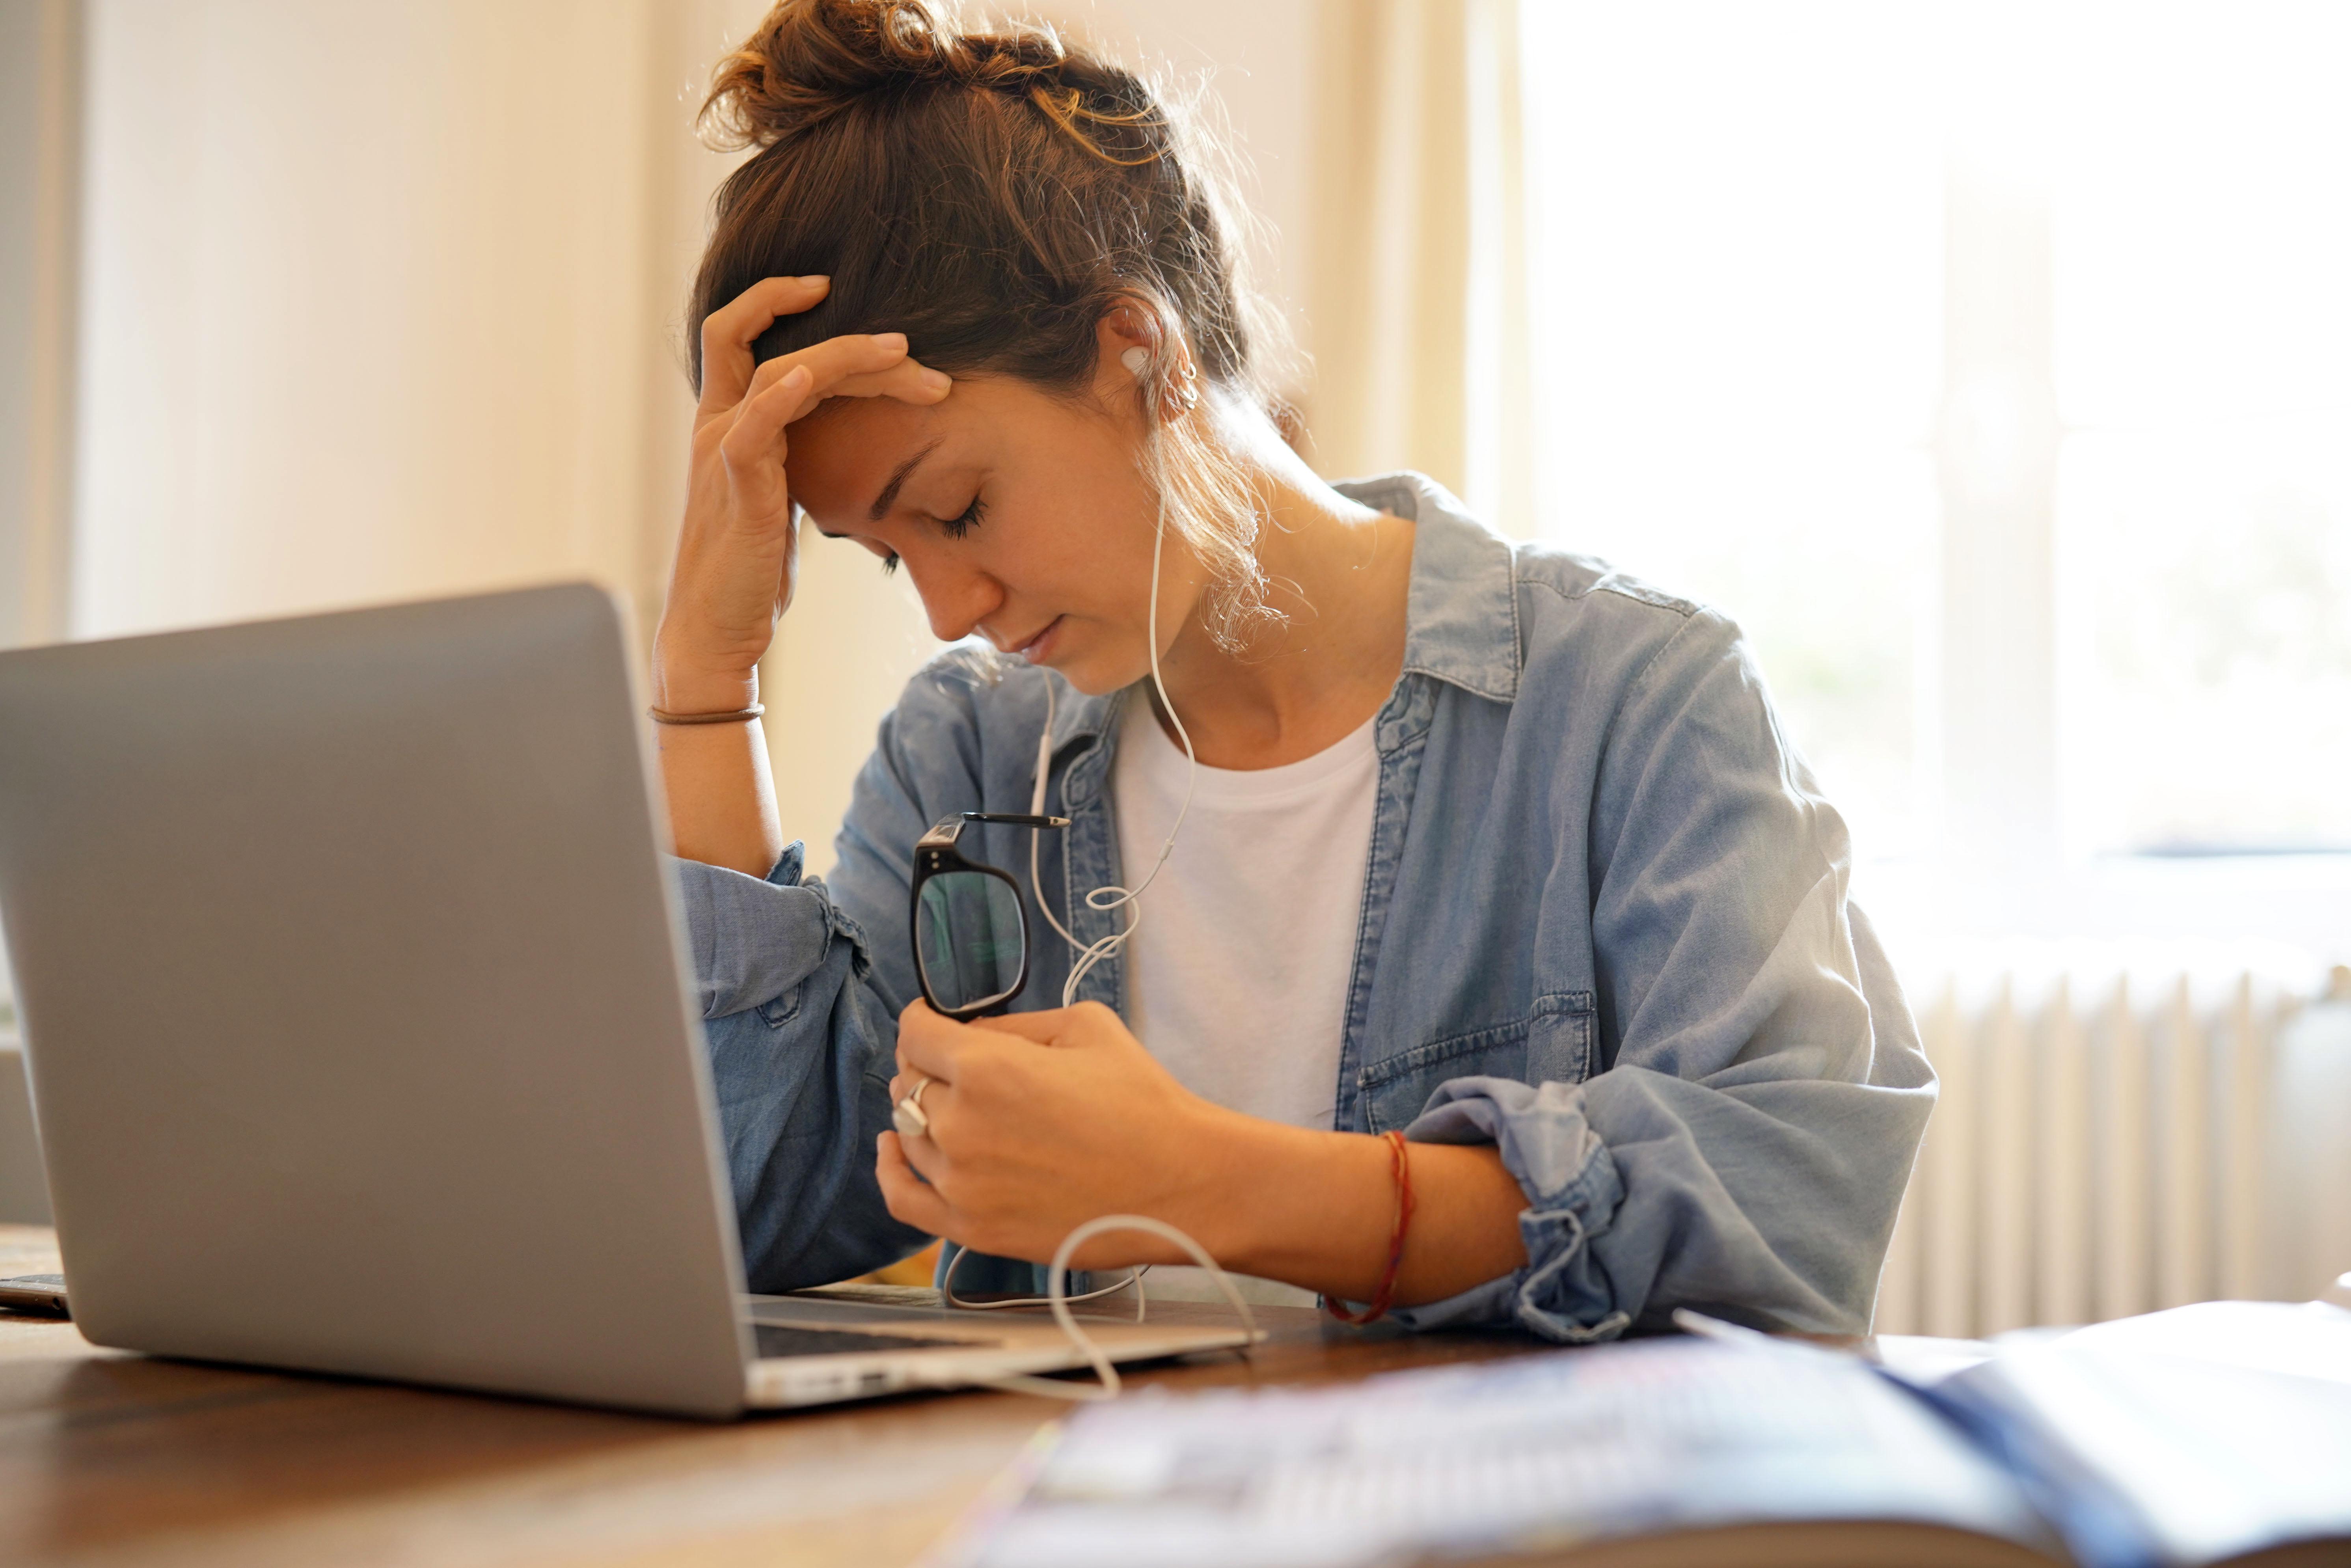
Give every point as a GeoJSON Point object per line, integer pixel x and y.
{"type": "Point", "coordinates": [1581, 619]}
{"type": "Point", "coordinates": [1669, 689]}
{"type": "Point", "coordinates": [1568, 578]}
{"type": "Point", "coordinates": [1517, 622]}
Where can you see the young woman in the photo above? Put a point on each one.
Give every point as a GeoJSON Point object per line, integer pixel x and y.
{"type": "Point", "coordinates": [1487, 843]}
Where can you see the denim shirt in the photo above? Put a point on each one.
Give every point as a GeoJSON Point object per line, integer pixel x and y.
{"type": "Point", "coordinates": [1603, 928]}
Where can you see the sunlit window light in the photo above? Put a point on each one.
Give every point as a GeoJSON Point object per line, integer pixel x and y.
{"type": "Point", "coordinates": [1992, 367]}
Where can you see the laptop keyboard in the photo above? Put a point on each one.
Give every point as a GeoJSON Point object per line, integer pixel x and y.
{"type": "Point", "coordinates": [781, 1339]}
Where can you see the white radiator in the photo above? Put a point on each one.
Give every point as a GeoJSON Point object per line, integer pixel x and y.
{"type": "Point", "coordinates": [2110, 1143]}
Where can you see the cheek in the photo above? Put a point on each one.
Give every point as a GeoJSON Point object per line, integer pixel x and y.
{"type": "Point", "coordinates": [1095, 560]}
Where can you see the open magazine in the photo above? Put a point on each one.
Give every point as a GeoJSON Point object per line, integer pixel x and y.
{"type": "Point", "coordinates": [2204, 1436]}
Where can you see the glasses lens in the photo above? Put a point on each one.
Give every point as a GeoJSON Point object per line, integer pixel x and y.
{"type": "Point", "coordinates": [967, 938]}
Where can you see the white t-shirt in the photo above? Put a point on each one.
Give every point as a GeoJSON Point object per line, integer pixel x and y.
{"type": "Point", "coordinates": [1236, 978]}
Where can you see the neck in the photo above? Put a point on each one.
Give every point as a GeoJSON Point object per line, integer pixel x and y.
{"type": "Point", "coordinates": [1338, 574]}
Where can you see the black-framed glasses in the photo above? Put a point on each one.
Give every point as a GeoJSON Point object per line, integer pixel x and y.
{"type": "Point", "coordinates": [971, 934]}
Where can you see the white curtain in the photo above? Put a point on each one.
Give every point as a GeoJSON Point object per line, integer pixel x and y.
{"type": "Point", "coordinates": [1419, 304]}
{"type": "Point", "coordinates": [379, 303]}
{"type": "Point", "coordinates": [40, 47]}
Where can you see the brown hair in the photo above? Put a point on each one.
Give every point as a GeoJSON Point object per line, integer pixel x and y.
{"type": "Point", "coordinates": [993, 195]}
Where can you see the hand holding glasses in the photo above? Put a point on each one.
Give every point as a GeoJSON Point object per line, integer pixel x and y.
{"type": "Point", "coordinates": [971, 934]}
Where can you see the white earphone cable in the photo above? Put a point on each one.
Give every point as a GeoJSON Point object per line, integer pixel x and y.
{"type": "Point", "coordinates": [947, 1292]}
{"type": "Point", "coordinates": [1056, 1295]}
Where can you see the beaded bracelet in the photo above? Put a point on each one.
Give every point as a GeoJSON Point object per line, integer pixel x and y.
{"type": "Point", "coordinates": [1400, 1167]}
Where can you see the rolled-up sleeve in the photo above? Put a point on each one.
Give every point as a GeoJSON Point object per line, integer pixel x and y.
{"type": "Point", "coordinates": [754, 940]}
{"type": "Point", "coordinates": [1746, 1144]}
{"type": "Point", "coordinates": [1573, 1194]}
{"type": "Point", "coordinates": [800, 1053]}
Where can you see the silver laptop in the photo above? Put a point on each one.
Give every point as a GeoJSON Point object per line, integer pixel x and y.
{"type": "Point", "coordinates": [360, 1029]}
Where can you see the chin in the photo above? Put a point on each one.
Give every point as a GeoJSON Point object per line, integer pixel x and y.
{"type": "Point", "coordinates": [1095, 682]}
{"type": "Point", "coordinates": [1097, 676]}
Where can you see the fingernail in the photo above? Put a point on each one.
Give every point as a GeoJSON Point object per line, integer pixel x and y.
{"type": "Point", "coordinates": [891, 339]}
{"type": "Point", "coordinates": [937, 380]}
{"type": "Point", "coordinates": [792, 377]}
{"type": "Point", "coordinates": [816, 280]}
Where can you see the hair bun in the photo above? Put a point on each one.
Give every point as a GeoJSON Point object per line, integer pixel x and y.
{"type": "Point", "coordinates": [811, 59]}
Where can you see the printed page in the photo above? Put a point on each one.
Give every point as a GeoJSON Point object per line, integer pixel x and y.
{"type": "Point", "coordinates": [1540, 1451]}
{"type": "Point", "coordinates": [2190, 1436]}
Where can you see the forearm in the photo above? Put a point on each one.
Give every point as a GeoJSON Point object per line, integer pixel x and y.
{"type": "Point", "coordinates": [737, 552]}
{"type": "Point", "coordinates": [1317, 1210]}
{"type": "Point", "coordinates": [722, 797]}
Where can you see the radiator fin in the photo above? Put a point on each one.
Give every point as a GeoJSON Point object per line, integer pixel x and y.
{"type": "Point", "coordinates": [2108, 1144]}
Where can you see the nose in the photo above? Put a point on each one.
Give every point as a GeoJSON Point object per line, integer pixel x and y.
{"type": "Point", "coordinates": [956, 599]}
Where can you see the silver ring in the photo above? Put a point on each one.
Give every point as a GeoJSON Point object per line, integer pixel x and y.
{"type": "Point", "coordinates": [909, 1117]}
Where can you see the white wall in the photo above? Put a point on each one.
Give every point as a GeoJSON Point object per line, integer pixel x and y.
{"type": "Point", "coordinates": [368, 308]}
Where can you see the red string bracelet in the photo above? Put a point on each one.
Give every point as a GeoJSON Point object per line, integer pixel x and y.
{"type": "Point", "coordinates": [1400, 1167]}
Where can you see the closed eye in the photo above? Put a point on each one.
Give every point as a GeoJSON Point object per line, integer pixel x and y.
{"type": "Point", "coordinates": [955, 528]}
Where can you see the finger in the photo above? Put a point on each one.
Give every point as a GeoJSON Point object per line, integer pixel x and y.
{"type": "Point", "coordinates": [929, 1044]}
{"type": "Point", "coordinates": [908, 381]}
{"type": "Point", "coordinates": [900, 376]}
{"type": "Point", "coordinates": [910, 1202]}
{"type": "Point", "coordinates": [835, 360]}
{"type": "Point", "coordinates": [905, 1081]}
{"type": "Point", "coordinates": [771, 372]}
{"type": "Point", "coordinates": [761, 420]}
{"type": "Point", "coordinates": [931, 1161]}
{"type": "Point", "coordinates": [728, 332]}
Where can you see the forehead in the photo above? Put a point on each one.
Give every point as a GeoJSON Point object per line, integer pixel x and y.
{"type": "Point", "coordinates": [844, 453]}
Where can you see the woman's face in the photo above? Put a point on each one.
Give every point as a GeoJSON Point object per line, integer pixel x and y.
{"type": "Point", "coordinates": [1019, 515]}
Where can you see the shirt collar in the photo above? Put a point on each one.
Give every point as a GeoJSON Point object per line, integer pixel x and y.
{"type": "Point", "coordinates": [1461, 616]}
{"type": "Point", "coordinates": [1461, 612]}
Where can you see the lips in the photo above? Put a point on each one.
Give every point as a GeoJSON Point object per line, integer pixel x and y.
{"type": "Point", "coordinates": [1035, 648]}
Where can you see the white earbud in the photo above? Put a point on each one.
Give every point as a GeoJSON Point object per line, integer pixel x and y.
{"type": "Point", "coordinates": [1136, 361]}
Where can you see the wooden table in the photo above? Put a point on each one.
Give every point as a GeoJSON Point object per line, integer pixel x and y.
{"type": "Point", "coordinates": [108, 1458]}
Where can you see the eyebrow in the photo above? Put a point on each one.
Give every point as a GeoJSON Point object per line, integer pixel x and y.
{"type": "Point", "coordinates": [888, 495]}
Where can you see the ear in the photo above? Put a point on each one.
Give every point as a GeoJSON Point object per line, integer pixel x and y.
{"type": "Point", "coordinates": [1139, 363]}
{"type": "Point", "coordinates": [1129, 324]}
{"type": "Point", "coordinates": [1124, 338]}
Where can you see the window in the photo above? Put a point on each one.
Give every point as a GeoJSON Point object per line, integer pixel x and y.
{"type": "Point", "coordinates": [1992, 366]}
{"type": "Point", "coordinates": [2202, 212]}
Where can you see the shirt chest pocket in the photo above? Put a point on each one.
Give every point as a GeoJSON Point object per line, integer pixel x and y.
{"type": "Point", "coordinates": [1552, 1045]}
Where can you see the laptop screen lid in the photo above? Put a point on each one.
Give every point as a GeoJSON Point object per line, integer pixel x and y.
{"type": "Point", "coordinates": [356, 1011]}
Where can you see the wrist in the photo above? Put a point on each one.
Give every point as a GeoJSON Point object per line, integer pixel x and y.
{"type": "Point", "coordinates": [1290, 1203]}
{"type": "Point", "coordinates": [682, 682]}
